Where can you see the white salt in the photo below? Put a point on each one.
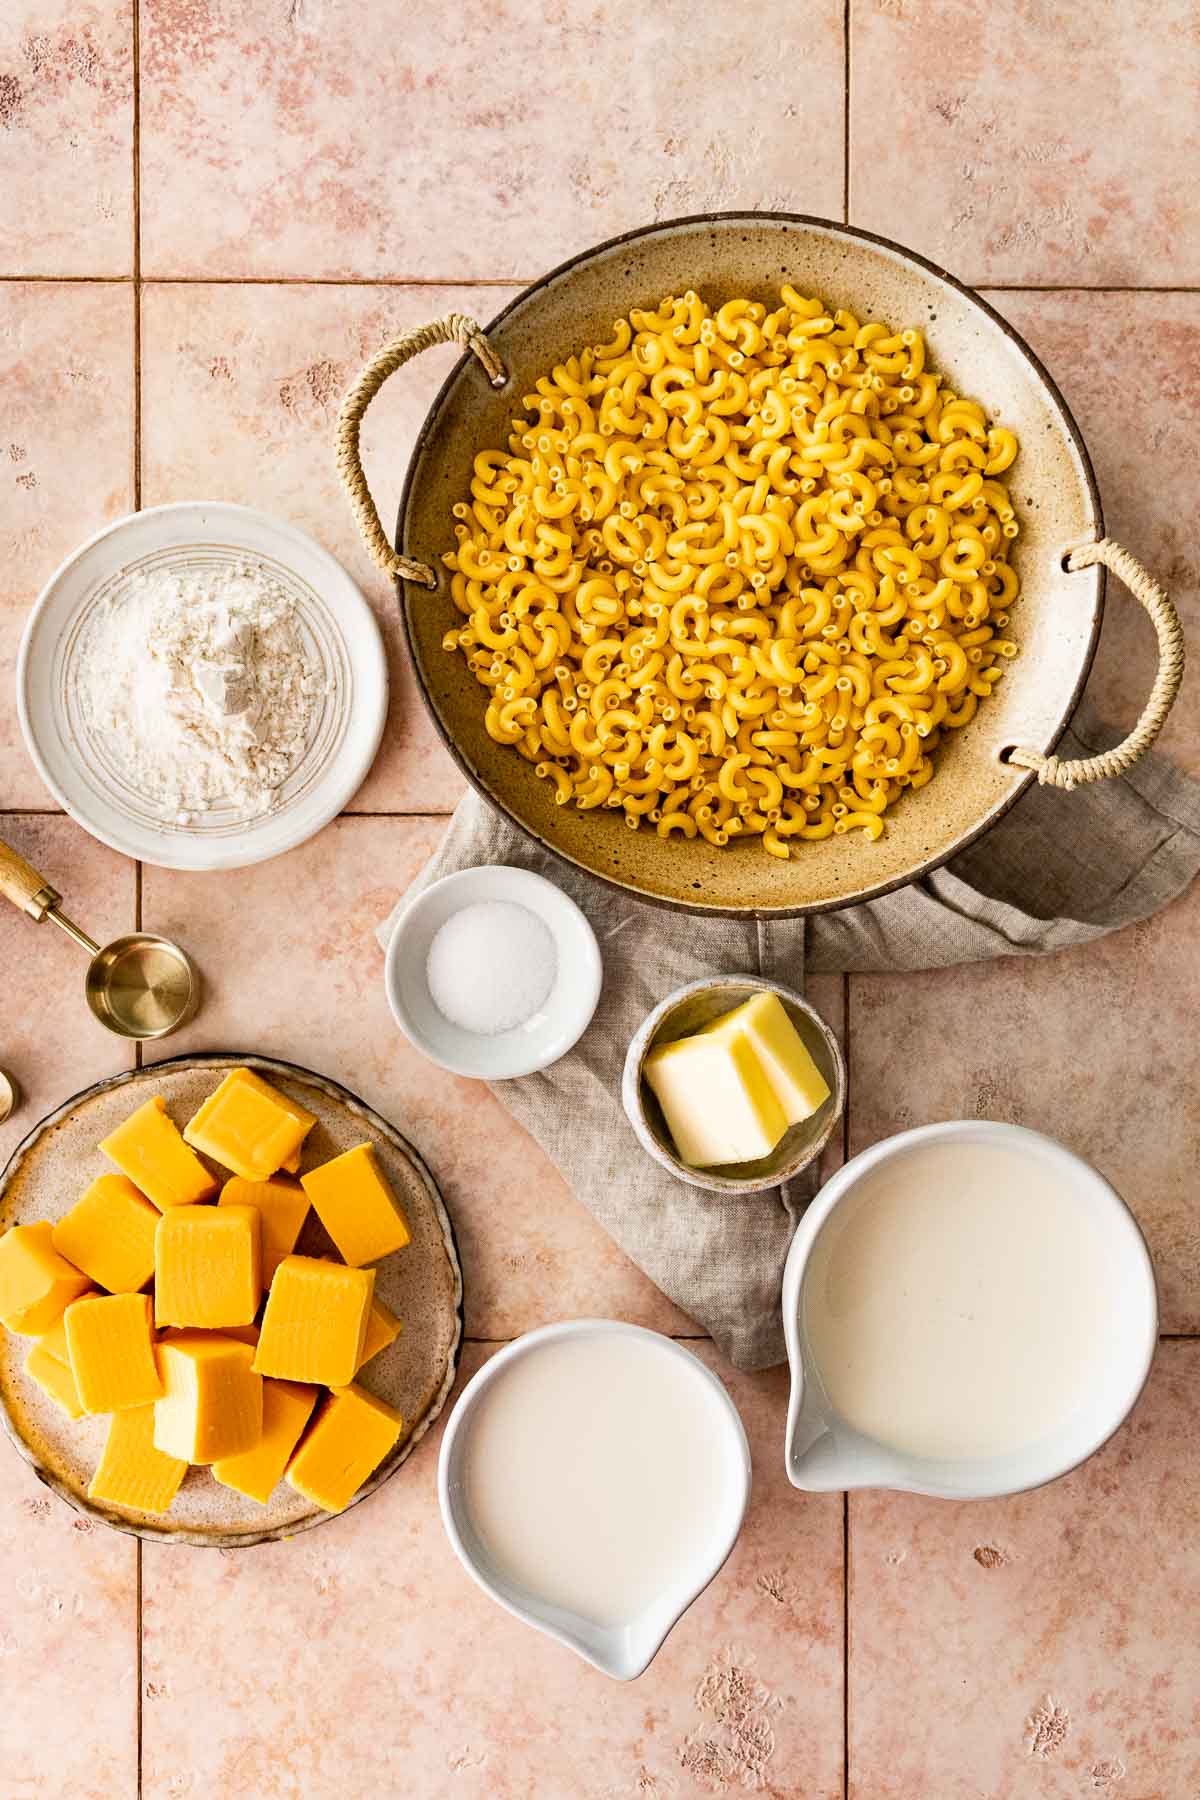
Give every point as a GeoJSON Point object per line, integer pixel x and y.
{"type": "Point", "coordinates": [491, 966]}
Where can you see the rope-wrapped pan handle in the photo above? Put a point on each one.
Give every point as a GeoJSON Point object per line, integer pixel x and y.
{"type": "Point", "coordinates": [1051, 770]}
{"type": "Point", "coordinates": [455, 328]}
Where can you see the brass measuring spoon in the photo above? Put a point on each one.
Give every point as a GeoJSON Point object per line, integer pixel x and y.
{"type": "Point", "coordinates": [140, 986]}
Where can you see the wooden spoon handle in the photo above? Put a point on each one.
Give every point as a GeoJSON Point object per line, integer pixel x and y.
{"type": "Point", "coordinates": [21, 883]}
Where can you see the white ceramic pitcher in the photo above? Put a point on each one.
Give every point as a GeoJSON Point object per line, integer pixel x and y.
{"type": "Point", "coordinates": [824, 1453]}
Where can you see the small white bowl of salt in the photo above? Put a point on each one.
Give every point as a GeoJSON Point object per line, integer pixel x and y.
{"type": "Point", "coordinates": [493, 972]}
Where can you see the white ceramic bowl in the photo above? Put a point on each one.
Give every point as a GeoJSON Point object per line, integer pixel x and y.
{"type": "Point", "coordinates": [542, 1039]}
{"type": "Point", "coordinates": [342, 639]}
{"type": "Point", "coordinates": [622, 1651]}
{"type": "Point", "coordinates": [823, 1453]}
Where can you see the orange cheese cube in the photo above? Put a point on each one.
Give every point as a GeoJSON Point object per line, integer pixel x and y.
{"type": "Point", "coordinates": [315, 1321]}
{"type": "Point", "coordinates": [36, 1283]}
{"type": "Point", "coordinates": [111, 1344]}
{"type": "Point", "coordinates": [245, 1334]}
{"type": "Point", "coordinates": [249, 1126]}
{"type": "Point", "coordinates": [356, 1206]}
{"type": "Point", "coordinates": [207, 1267]}
{"type": "Point", "coordinates": [54, 1377]}
{"type": "Point", "coordinates": [149, 1149]}
{"type": "Point", "coordinates": [383, 1328]}
{"type": "Point", "coordinates": [109, 1234]}
{"type": "Point", "coordinates": [133, 1471]}
{"type": "Point", "coordinates": [256, 1472]}
{"type": "Point", "coordinates": [282, 1207]}
{"type": "Point", "coordinates": [212, 1401]}
{"type": "Point", "coordinates": [353, 1433]}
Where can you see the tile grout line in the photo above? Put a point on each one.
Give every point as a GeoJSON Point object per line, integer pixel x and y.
{"type": "Point", "coordinates": [981, 284]}
{"type": "Point", "coordinates": [846, 112]}
{"type": "Point", "coordinates": [136, 196]}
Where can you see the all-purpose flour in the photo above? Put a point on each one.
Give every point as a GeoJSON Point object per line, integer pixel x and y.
{"type": "Point", "coordinates": [200, 687]}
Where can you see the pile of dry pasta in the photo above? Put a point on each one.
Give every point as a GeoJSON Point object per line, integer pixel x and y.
{"type": "Point", "coordinates": [737, 572]}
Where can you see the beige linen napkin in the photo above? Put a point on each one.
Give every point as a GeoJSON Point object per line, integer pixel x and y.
{"type": "Point", "coordinates": [1058, 870]}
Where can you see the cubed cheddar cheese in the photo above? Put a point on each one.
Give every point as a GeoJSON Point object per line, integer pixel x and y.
{"type": "Point", "coordinates": [109, 1234]}
{"type": "Point", "coordinates": [149, 1149]}
{"type": "Point", "coordinates": [356, 1206]}
{"type": "Point", "coordinates": [207, 1266]}
{"type": "Point", "coordinates": [249, 1126]}
{"type": "Point", "coordinates": [212, 1400]}
{"type": "Point", "coordinates": [282, 1206]}
{"type": "Point", "coordinates": [49, 1364]}
{"type": "Point", "coordinates": [111, 1344]}
{"type": "Point", "coordinates": [133, 1472]}
{"type": "Point", "coordinates": [383, 1328]}
{"type": "Point", "coordinates": [36, 1282]}
{"type": "Point", "coordinates": [245, 1334]}
{"type": "Point", "coordinates": [256, 1472]}
{"type": "Point", "coordinates": [53, 1375]}
{"type": "Point", "coordinates": [352, 1434]}
{"type": "Point", "coordinates": [314, 1324]}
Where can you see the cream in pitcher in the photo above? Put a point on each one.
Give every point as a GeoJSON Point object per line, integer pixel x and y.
{"type": "Point", "coordinates": [963, 1299]}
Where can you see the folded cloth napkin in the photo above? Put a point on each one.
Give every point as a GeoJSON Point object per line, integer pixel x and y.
{"type": "Point", "coordinates": [1058, 870]}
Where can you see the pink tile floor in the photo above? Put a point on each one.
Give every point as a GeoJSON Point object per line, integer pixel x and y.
{"type": "Point", "coordinates": [209, 213]}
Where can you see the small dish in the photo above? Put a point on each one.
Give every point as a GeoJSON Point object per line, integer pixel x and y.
{"type": "Point", "coordinates": [685, 1011]}
{"type": "Point", "coordinates": [823, 1453]}
{"type": "Point", "coordinates": [621, 1651]}
{"type": "Point", "coordinates": [342, 638]}
{"type": "Point", "coordinates": [542, 1039]}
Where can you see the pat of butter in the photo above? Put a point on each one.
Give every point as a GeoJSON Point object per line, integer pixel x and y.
{"type": "Point", "coordinates": [212, 1400]}
{"type": "Point", "coordinates": [111, 1343]}
{"type": "Point", "coordinates": [149, 1149]}
{"type": "Point", "coordinates": [354, 1202]}
{"type": "Point", "coordinates": [314, 1325]}
{"type": "Point", "coordinates": [729, 1092]}
{"type": "Point", "coordinates": [794, 1077]}
{"type": "Point", "coordinates": [353, 1433]}
{"type": "Point", "coordinates": [249, 1126]}
{"type": "Point", "coordinates": [207, 1266]}
{"type": "Point", "coordinates": [109, 1234]}
{"type": "Point", "coordinates": [256, 1472]}
{"type": "Point", "coordinates": [133, 1472]}
{"type": "Point", "coordinates": [36, 1282]}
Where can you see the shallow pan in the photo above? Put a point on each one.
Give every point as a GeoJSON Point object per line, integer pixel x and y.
{"type": "Point", "coordinates": [1056, 624]}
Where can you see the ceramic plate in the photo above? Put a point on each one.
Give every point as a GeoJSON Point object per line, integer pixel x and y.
{"type": "Point", "coordinates": [341, 636]}
{"type": "Point", "coordinates": [421, 1283]}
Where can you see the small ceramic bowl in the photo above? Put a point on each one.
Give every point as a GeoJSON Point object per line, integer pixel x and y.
{"type": "Point", "coordinates": [624, 1650]}
{"type": "Point", "coordinates": [685, 1011]}
{"type": "Point", "coordinates": [558, 1023]}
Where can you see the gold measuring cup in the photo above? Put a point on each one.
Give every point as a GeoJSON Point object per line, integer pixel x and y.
{"type": "Point", "coordinates": [140, 986]}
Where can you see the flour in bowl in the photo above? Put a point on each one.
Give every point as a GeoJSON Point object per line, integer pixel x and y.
{"type": "Point", "coordinates": [200, 688]}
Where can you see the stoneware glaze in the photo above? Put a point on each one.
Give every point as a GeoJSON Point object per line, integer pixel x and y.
{"type": "Point", "coordinates": [1055, 624]}
{"type": "Point", "coordinates": [687, 1010]}
{"type": "Point", "coordinates": [824, 1454]}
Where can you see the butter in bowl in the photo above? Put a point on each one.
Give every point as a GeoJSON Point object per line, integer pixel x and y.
{"type": "Point", "coordinates": [734, 1084]}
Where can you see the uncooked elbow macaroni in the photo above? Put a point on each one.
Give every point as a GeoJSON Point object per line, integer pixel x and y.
{"type": "Point", "coordinates": [737, 573]}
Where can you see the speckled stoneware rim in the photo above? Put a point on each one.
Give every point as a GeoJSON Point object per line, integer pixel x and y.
{"type": "Point", "coordinates": [1061, 612]}
{"type": "Point", "coordinates": [797, 1150]}
{"type": "Point", "coordinates": [401, 1146]}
